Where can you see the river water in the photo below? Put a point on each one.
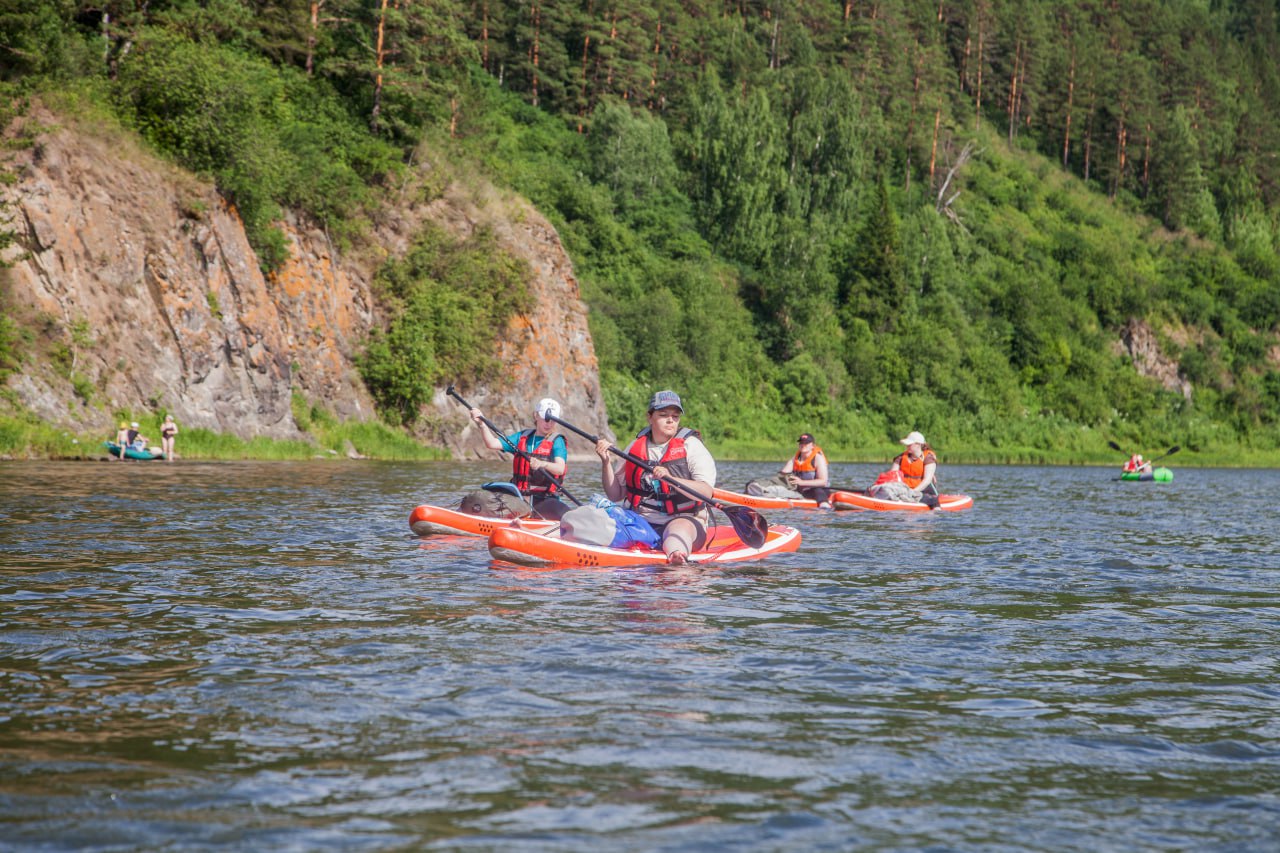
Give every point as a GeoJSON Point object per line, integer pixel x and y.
{"type": "Point", "coordinates": [261, 656]}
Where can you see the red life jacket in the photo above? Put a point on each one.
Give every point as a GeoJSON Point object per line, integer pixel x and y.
{"type": "Point", "coordinates": [806, 468]}
{"type": "Point", "coordinates": [542, 484]}
{"type": "Point", "coordinates": [644, 491]}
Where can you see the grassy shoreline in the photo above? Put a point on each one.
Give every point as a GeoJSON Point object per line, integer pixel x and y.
{"type": "Point", "coordinates": [29, 438]}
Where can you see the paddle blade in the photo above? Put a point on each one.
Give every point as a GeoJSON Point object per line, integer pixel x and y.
{"type": "Point", "coordinates": [750, 525]}
{"type": "Point", "coordinates": [1115, 446]}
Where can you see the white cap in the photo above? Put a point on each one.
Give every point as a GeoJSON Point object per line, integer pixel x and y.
{"type": "Point", "coordinates": [547, 408]}
{"type": "Point", "coordinates": [913, 438]}
{"type": "Point", "coordinates": [134, 424]}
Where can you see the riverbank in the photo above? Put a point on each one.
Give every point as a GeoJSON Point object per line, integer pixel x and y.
{"type": "Point", "coordinates": [23, 438]}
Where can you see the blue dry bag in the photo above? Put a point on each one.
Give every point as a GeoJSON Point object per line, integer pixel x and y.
{"type": "Point", "coordinates": [632, 528]}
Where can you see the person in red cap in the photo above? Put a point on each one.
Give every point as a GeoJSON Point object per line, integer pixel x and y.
{"type": "Point", "coordinates": [806, 472]}
{"type": "Point", "coordinates": [678, 454]}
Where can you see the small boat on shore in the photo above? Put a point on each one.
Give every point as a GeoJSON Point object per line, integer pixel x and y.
{"type": "Point", "coordinates": [133, 452]}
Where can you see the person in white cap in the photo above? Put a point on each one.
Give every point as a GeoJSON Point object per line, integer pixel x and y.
{"type": "Point", "coordinates": [678, 454]}
{"type": "Point", "coordinates": [538, 470]}
{"type": "Point", "coordinates": [916, 469]}
{"type": "Point", "coordinates": [1137, 465]}
{"type": "Point", "coordinates": [137, 440]}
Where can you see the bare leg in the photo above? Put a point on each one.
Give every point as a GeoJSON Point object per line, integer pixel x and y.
{"type": "Point", "coordinates": [680, 538]}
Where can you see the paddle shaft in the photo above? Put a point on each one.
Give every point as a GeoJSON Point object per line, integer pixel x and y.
{"type": "Point", "coordinates": [750, 525]}
{"type": "Point", "coordinates": [1169, 452]}
{"type": "Point", "coordinates": [643, 463]}
{"type": "Point", "coordinates": [503, 438]}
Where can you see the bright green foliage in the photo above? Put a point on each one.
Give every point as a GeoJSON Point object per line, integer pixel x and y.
{"type": "Point", "coordinates": [449, 303]}
{"type": "Point", "coordinates": [266, 136]}
{"type": "Point", "coordinates": [854, 218]}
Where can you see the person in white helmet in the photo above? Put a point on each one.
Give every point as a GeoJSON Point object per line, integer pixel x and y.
{"type": "Point", "coordinates": [539, 461]}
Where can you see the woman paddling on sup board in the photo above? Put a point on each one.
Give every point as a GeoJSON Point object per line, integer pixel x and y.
{"type": "Point", "coordinates": [677, 454]}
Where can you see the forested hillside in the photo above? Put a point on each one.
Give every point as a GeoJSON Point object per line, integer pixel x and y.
{"type": "Point", "coordinates": [1011, 225]}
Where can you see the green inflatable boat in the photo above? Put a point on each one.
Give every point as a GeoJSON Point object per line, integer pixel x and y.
{"type": "Point", "coordinates": [1159, 475]}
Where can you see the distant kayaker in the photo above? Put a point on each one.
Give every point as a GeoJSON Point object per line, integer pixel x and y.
{"type": "Point", "coordinates": [806, 472]}
{"type": "Point", "coordinates": [168, 431]}
{"type": "Point", "coordinates": [1136, 465]}
{"type": "Point", "coordinates": [536, 472]}
{"type": "Point", "coordinates": [678, 454]}
{"type": "Point", "coordinates": [912, 476]}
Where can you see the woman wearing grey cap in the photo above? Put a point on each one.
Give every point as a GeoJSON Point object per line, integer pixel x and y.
{"type": "Point", "coordinates": [677, 454]}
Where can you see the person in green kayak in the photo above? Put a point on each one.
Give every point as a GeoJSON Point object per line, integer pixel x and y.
{"type": "Point", "coordinates": [1136, 465]}
{"type": "Point", "coordinates": [536, 470]}
{"type": "Point", "coordinates": [678, 454]}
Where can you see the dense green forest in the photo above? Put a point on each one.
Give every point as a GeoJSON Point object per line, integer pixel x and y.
{"type": "Point", "coordinates": [857, 218]}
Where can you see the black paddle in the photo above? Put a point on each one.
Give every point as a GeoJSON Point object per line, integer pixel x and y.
{"type": "Point", "coordinates": [503, 438]}
{"type": "Point", "coordinates": [750, 525]}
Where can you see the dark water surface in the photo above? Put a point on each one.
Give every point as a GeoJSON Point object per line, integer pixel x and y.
{"type": "Point", "coordinates": [260, 656]}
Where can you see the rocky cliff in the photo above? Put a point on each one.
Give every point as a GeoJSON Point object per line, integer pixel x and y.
{"type": "Point", "coordinates": [146, 295]}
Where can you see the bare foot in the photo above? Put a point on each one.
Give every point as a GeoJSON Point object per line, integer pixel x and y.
{"type": "Point", "coordinates": [677, 558]}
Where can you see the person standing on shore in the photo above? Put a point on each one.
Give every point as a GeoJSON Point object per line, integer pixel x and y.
{"type": "Point", "coordinates": [122, 439]}
{"type": "Point", "coordinates": [168, 430]}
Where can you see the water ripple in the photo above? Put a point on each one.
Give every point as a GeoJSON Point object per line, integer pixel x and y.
{"type": "Point", "coordinates": [262, 658]}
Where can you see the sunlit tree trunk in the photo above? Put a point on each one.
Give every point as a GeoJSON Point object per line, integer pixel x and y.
{"type": "Point", "coordinates": [653, 74]}
{"type": "Point", "coordinates": [613, 41]}
{"type": "Point", "coordinates": [933, 147]}
{"type": "Point", "coordinates": [1146, 162]}
{"type": "Point", "coordinates": [1071, 91]}
{"type": "Point", "coordinates": [977, 99]}
{"type": "Point", "coordinates": [1122, 140]}
{"type": "Point", "coordinates": [1012, 107]}
{"type": "Point", "coordinates": [379, 59]}
{"type": "Point", "coordinates": [535, 17]}
{"type": "Point", "coordinates": [313, 35]}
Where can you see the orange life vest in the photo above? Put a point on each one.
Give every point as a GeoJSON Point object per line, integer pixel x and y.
{"type": "Point", "coordinates": [643, 490]}
{"type": "Point", "coordinates": [806, 468]}
{"type": "Point", "coordinates": [540, 484]}
{"type": "Point", "coordinates": [913, 469]}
